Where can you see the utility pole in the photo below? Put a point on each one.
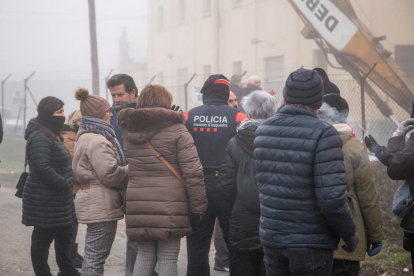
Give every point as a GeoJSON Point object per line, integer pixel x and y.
{"type": "Point", "coordinates": [106, 86]}
{"type": "Point", "coordinates": [94, 48]}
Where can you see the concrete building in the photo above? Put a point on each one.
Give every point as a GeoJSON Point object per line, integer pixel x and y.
{"type": "Point", "coordinates": [262, 37]}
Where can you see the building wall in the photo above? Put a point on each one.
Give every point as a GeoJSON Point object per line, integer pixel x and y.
{"type": "Point", "coordinates": [194, 42]}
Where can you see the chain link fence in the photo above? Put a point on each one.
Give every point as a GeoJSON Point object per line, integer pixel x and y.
{"type": "Point", "coordinates": [377, 124]}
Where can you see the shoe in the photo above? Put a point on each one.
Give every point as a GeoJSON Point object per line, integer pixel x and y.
{"type": "Point", "coordinates": [77, 261]}
{"type": "Point", "coordinates": [218, 268]}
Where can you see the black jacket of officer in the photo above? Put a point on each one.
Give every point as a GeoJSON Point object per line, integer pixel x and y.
{"type": "Point", "coordinates": [213, 124]}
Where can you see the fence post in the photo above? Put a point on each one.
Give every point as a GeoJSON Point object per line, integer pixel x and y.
{"type": "Point", "coordinates": [25, 99]}
{"type": "Point", "coordinates": [152, 79]}
{"type": "Point", "coordinates": [185, 91]}
{"type": "Point", "coordinates": [2, 93]}
{"type": "Point", "coordinates": [362, 82]}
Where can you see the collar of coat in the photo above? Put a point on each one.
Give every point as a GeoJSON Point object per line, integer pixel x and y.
{"type": "Point", "coordinates": [345, 131]}
{"type": "Point", "coordinates": [148, 119]}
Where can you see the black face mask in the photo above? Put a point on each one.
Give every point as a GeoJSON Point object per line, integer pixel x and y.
{"type": "Point", "coordinates": [54, 123]}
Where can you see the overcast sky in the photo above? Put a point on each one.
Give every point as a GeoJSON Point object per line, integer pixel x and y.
{"type": "Point", "coordinates": [52, 37]}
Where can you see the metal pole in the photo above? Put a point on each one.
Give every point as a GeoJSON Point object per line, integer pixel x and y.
{"type": "Point", "coordinates": [25, 99]}
{"type": "Point", "coordinates": [94, 48]}
{"type": "Point", "coordinates": [152, 79]}
{"type": "Point", "coordinates": [185, 91]}
{"type": "Point", "coordinates": [106, 86]}
{"type": "Point", "coordinates": [362, 80]}
{"type": "Point", "coordinates": [2, 93]}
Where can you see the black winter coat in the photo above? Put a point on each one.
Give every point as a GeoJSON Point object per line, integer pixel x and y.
{"type": "Point", "coordinates": [241, 202]}
{"type": "Point", "coordinates": [47, 194]}
{"type": "Point", "coordinates": [302, 182]}
{"type": "Point", "coordinates": [400, 158]}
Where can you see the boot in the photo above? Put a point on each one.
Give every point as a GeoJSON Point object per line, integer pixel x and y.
{"type": "Point", "coordinates": [77, 259]}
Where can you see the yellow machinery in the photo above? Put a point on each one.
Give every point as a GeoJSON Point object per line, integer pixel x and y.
{"type": "Point", "coordinates": [336, 29]}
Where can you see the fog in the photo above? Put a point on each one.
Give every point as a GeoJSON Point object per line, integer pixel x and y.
{"type": "Point", "coordinates": [52, 38]}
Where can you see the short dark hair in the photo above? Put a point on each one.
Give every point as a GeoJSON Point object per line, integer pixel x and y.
{"type": "Point", "coordinates": [124, 79]}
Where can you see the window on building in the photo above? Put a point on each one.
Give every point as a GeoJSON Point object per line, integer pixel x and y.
{"type": "Point", "coordinates": [206, 71]}
{"type": "Point", "coordinates": [404, 56]}
{"type": "Point", "coordinates": [274, 68]}
{"type": "Point", "coordinates": [181, 11]}
{"type": "Point", "coordinates": [160, 18]}
{"type": "Point", "coordinates": [182, 78]}
{"type": "Point", "coordinates": [206, 7]}
{"type": "Point", "coordinates": [160, 77]}
{"type": "Point", "coordinates": [319, 59]}
{"type": "Point", "coordinates": [236, 3]}
{"type": "Point", "coordinates": [237, 67]}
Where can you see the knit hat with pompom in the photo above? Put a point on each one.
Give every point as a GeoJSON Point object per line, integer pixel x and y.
{"type": "Point", "coordinates": [91, 105]}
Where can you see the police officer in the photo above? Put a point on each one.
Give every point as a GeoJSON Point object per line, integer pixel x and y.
{"type": "Point", "coordinates": [212, 125]}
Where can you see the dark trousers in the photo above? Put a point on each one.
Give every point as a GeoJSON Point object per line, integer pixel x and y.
{"type": "Point", "coordinates": [411, 239]}
{"type": "Point", "coordinates": [74, 245]}
{"type": "Point", "coordinates": [249, 263]}
{"type": "Point", "coordinates": [345, 268]}
{"type": "Point", "coordinates": [41, 240]}
{"type": "Point", "coordinates": [297, 261]}
{"type": "Point", "coordinates": [198, 243]}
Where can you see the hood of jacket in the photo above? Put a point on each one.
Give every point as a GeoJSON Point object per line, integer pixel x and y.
{"type": "Point", "coordinates": [146, 122]}
{"type": "Point", "coordinates": [31, 127]}
{"type": "Point", "coordinates": [245, 135]}
{"type": "Point", "coordinates": [345, 131]}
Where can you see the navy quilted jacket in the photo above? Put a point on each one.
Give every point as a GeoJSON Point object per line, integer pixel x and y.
{"type": "Point", "coordinates": [302, 182]}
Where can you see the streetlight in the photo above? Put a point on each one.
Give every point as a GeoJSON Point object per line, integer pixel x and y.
{"type": "Point", "coordinates": [256, 41]}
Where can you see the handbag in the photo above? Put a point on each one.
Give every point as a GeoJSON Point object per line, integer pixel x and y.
{"type": "Point", "coordinates": [402, 200]}
{"type": "Point", "coordinates": [159, 156]}
{"type": "Point", "coordinates": [22, 181]}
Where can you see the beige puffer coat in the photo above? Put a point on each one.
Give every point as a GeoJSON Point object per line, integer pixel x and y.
{"type": "Point", "coordinates": [96, 162]}
{"type": "Point", "coordinates": [362, 195]}
{"type": "Point", "coordinates": [158, 204]}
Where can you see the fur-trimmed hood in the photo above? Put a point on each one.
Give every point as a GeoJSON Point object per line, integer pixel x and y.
{"type": "Point", "coordinates": [144, 123]}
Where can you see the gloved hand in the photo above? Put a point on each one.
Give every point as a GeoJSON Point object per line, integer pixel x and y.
{"type": "Point", "coordinates": [351, 244]}
{"type": "Point", "coordinates": [404, 127]}
{"type": "Point", "coordinates": [372, 144]}
{"type": "Point", "coordinates": [376, 248]}
{"type": "Point", "coordinates": [374, 147]}
{"type": "Point", "coordinates": [176, 108]}
{"type": "Point", "coordinates": [195, 218]}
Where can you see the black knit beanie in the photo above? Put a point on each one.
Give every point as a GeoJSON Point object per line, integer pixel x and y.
{"type": "Point", "coordinates": [304, 87]}
{"type": "Point", "coordinates": [48, 106]}
{"type": "Point", "coordinates": [336, 101]}
{"type": "Point", "coordinates": [328, 86]}
{"type": "Point", "coordinates": [217, 87]}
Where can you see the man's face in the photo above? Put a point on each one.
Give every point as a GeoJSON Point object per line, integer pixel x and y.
{"type": "Point", "coordinates": [120, 97]}
{"type": "Point", "coordinates": [232, 101]}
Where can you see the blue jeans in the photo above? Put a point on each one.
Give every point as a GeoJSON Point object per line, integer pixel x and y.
{"type": "Point", "coordinates": [297, 261]}
{"type": "Point", "coordinates": [198, 243]}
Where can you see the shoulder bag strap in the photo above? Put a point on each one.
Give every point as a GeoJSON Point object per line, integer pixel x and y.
{"type": "Point", "coordinates": [159, 156]}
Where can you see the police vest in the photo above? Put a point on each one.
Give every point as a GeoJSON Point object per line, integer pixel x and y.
{"type": "Point", "coordinates": [212, 125]}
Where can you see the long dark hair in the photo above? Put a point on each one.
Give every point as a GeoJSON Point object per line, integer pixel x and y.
{"type": "Point", "coordinates": [49, 105]}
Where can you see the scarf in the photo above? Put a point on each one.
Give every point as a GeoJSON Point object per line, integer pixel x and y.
{"type": "Point", "coordinates": [99, 126]}
{"type": "Point", "coordinates": [54, 123]}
